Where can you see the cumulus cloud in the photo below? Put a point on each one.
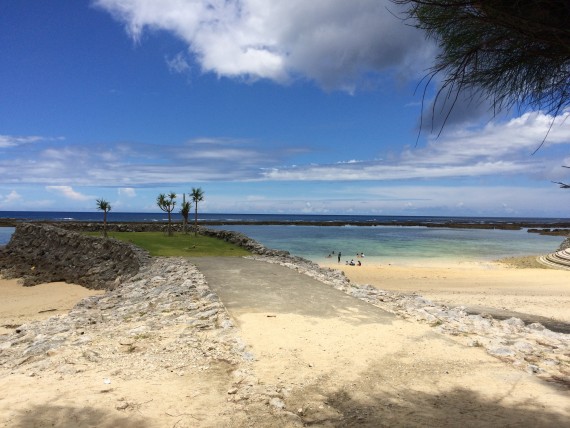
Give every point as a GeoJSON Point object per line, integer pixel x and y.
{"type": "Point", "coordinates": [10, 198]}
{"type": "Point", "coordinates": [69, 193]}
{"type": "Point", "coordinates": [337, 43]}
{"type": "Point", "coordinates": [128, 192]}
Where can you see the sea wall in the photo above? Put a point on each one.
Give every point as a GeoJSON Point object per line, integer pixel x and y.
{"type": "Point", "coordinates": [40, 253]}
{"type": "Point", "coordinates": [243, 241]}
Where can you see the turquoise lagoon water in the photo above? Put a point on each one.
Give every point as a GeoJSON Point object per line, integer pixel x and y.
{"type": "Point", "coordinates": [386, 244]}
{"type": "Point", "coordinates": [390, 244]}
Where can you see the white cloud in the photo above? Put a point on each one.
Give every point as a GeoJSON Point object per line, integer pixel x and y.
{"type": "Point", "coordinates": [13, 141]}
{"type": "Point", "coordinates": [128, 192]}
{"type": "Point", "coordinates": [497, 149]}
{"type": "Point", "coordinates": [334, 42]}
{"type": "Point", "coordinates": [11, 198]}
{"type": "Point", "coordinates": [69, 193]}
{"type": "Point", "coordinates": [500, 148]}
{"type": "Point", "coordinates": [412, 199]}
{"type": "Point", "coordinates": [178, 63]}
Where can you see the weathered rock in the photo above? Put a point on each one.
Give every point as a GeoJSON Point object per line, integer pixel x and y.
{"type": "Point", "coordinates": [565, 244]}
{"type": "Point", "coordinates": [40, 253]}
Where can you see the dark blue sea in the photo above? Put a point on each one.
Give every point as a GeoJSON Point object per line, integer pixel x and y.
{"type": "Point", "coordinates": [379, 243]}
{"type": "Point", "coordinates": [162, 217]}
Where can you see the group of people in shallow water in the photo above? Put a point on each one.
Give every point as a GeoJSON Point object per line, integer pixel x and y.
{"type": "Point", "coordinates": [351, 263]}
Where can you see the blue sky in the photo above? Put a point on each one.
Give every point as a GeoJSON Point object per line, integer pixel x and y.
{"type": "Point", "coordinates": [269, 107]}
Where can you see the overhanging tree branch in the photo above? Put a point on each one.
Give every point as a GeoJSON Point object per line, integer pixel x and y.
{"type": "Point", "coordinates": [512, 52]}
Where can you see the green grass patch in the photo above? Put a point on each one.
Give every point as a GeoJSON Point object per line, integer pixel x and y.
{"type": "Point", "coordinates": [179, 245]}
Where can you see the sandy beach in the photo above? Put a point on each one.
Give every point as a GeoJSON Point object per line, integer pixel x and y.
{"type": "Point", "coordinates": [332, 369]}
{"type": "Point", "coordinates": [516, 284]}
{"type": "Point", "coordinates": [19, 304]}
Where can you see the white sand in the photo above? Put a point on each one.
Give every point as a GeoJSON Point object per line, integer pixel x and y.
{"type": "Point", "coordinates": [534, 290]}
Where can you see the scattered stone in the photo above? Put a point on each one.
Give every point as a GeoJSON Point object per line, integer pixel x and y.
{"type": "Point", "coordinates": [122, 405]}
{"type": "Point", "coordinates": [277, 403]}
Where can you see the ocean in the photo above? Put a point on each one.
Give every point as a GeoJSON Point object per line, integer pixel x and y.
{"type": "Point", "coordinates": [397, 244]}
{"type": "Point", "coordinates": [383, 244]}
{"type": "Point", "coordinates": [162, 217]}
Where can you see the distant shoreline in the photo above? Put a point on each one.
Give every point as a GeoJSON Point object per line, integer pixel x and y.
{"type": "Point", "coordinates": [558, 228]}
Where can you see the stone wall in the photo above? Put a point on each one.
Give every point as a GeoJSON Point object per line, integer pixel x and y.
{"type": "Point", "coordinates": [243, 241]}
{"type": "Point", "coordinates": [40, 253]}
{"type": "Point", "coordinates": [120, 227]}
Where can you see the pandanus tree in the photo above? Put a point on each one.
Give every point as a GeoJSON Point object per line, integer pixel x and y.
{"type": "Point", "coordinates": [104, 206]}
{"type": "Point", "coordinates": [185, 212]}
{"type": "Point", "coordinates": [197, 196]}
{"type": "Point", "coordinates": [167, 204]}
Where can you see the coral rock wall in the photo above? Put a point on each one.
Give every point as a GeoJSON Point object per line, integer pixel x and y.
{"type": "Point", "coordinates": [40, 253]}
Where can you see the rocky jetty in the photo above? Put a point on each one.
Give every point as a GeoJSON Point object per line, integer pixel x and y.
{"type": "Point", "coordinates": [40, 253]}
{"type": "Point", "coordinates": [165, 292]}
{"type": "Point", "coordinates": [163, 320]}
{"type": "Point", "coordinates": [565, 244]}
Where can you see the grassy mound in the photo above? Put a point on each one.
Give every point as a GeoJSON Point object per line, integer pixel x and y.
{"type": "Point", "coordinates": [181, 245]}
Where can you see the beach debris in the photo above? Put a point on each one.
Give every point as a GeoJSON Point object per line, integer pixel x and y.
{"type": "Point", "coordinates": [122, 405]}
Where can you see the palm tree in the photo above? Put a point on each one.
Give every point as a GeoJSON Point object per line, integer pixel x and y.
{"type": "Point", "coordinates": [166, 204]}
{"type": "Point", "coordinates": [197, 196]}
{"type": "Point", "coordinates": [185, 211]}
{"type": "Point", "coordinates": [104, 206]}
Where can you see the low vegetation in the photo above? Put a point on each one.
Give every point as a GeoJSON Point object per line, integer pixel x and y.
{"type": "Point", "coordinates": [180, 245]}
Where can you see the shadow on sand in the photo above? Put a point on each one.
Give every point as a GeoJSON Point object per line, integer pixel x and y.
{"type": "Point", "coordinates": [77, 417]}
{"type": "Point", "coordinates": [455, 408]}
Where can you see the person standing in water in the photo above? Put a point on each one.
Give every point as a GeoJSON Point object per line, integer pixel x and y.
{"type": "Point", "coordinates": [339, 256]}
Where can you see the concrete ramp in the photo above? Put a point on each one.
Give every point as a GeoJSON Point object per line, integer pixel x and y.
{"type": "Point", "coordinates": [246, 285]}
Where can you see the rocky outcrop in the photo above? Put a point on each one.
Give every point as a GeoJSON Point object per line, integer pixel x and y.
{"type": "Point", "coordinates": [45, 253]}
{"type": "Point", "coordinates": [40, 253]}
{"type": "Point", "coordinates": [79, 226]}
{"type": "Point", "coordinates": [565, 244]}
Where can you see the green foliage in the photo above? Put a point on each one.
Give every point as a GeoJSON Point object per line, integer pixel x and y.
{"type": "Point", "coordinates": [180, 245]}
{"type": "Point", "coordinates": [197, 195]}
{"type": "Point", "coordinates": [167, 204]}
{"type": "Point", "coordinates": [514, 52]}
{"type": "Point", "coordinates": [185, 212]}
{"type": "Point", "coordinates": [104, 206]}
